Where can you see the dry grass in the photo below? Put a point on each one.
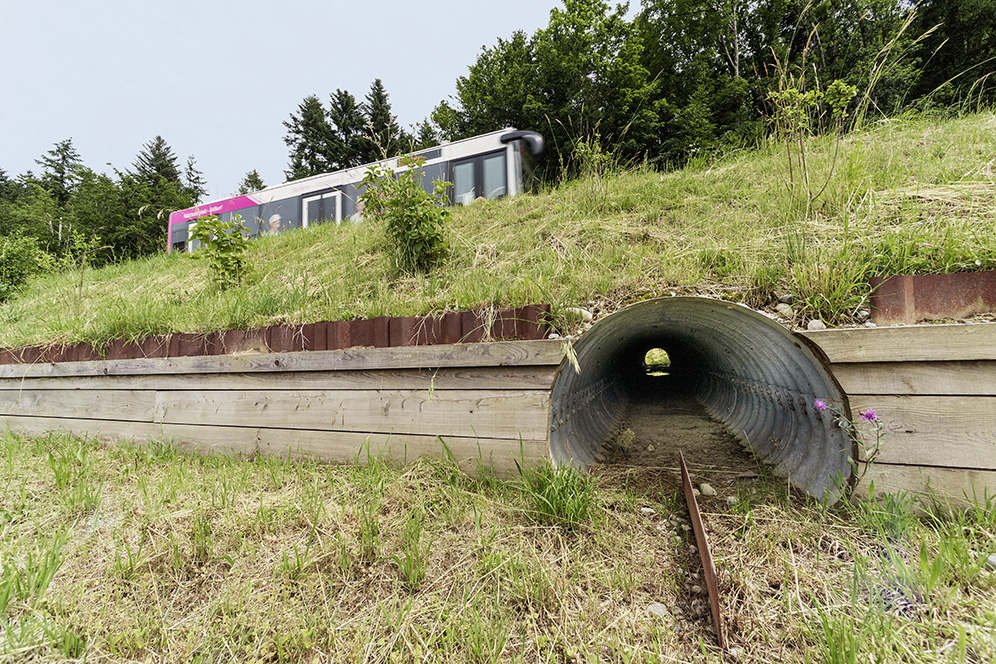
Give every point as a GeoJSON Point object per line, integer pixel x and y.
{"type": "Point", "coordinates": [161, 556]}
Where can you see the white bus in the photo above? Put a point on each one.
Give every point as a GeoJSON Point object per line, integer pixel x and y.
{"type": "Point", "coordinates": [490, 166]}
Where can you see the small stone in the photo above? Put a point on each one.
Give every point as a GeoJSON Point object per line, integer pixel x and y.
{"type": "Point", "coordinates": [870, 324]}
{"type": "Point", "coordinates": [786, 299]}
{"type": "Point", "coordinates": [693, 548]}
{"type": "Point", "coordinates": [991, 562]}
{"type": "Point", "coordinates": [686, 527]}
{"type": "Point", "coordinates": [736, 653]}
{"type": "Point", "coordinates": [696, 493]}
{"type": "Point", "coordinates": [578, 314]}
{"type": "Point", "coordinates": [647, 510]}
{"type": "Point", "coordinates": [650, 448]}
{"type": "Point", "coordinates": [658, 610]}
{"type": "Point", "coordinates": [862, 315]}
{"type": "Point", "coordinates": [731, 500]}
{"type": "Point", "coordinates": [785, 310]}
{"type": "Point", "coordinates": [553, 335]}
{"type": "Point", "coordinates": [706, 489]}
{"type": "Point", "coordinates": [697, 590]}
{"type": "Point", "coordinates": [816, 324]}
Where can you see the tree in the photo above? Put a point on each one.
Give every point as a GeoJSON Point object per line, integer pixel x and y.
{"type": "Point", "coordinates": [383, 136]}
{"type": "Point", "coordinates": [960, 50]}
{"type": "Point", "coordinates": [156, 161]}
{"type": "Point", "coordinates": [348, 127]}
{"type": "Point", "coordinates": [194, 184]}
{"type": "Point", "coordinates": [308, 137]}
{"type": "Point", "coordinates": [250, 182]}
{"type": "Point", "coordinates": [60, 168]}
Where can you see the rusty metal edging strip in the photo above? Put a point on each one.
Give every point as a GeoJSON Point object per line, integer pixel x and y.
{"type": "Point", "coordinates": [708, 569]}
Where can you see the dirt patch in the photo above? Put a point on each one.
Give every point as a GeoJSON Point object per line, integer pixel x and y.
{"type": "Point", "coordinates": [658, 425]}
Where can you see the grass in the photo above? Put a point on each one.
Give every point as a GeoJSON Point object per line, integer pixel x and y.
{"type": "Point", "coordinates": [908, 195]}
{"type": "Point", "coordinates": [218, 559]}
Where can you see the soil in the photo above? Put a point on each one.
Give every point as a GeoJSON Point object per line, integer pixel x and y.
{"type": "Point", "coordinates": [658, 425]}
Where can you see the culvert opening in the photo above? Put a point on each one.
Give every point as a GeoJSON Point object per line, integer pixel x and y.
{"type": "Point", "coordinates": [737, 389]}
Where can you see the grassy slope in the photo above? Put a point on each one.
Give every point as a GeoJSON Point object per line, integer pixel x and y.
{"type": "Point", "coordinates": [908, 195]}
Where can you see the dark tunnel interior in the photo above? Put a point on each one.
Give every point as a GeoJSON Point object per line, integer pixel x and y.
{"type": "Point", "coordinates": [746, 372]}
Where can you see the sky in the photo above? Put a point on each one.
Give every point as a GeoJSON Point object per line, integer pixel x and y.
{"type": "Point", "coordinates": [217, 79]}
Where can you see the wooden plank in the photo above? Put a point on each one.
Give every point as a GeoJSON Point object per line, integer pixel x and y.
{"type": "Point", "coordinates": [344, 447]}
{"type": "Point", "coordinates": [957, 432]}
{"type": "Point", "coordinates": [334, 447]}
{"type": "Point", "coordinates": [488, 378]}
{"type": "Point", "coordinates": [137, 406]}
{"type": "Point", "coordinates": [952, 486]}
{"type": "Point", "coordinates": [913, 343]}
{"type": "Point", "coordinates": [918, 378]}
{"type": "Point", "coordinates": [229, 440]}
{"type": "Point", "coordinates": [485, 413]}
{"type": "Point", "coordinates": [493, 354]}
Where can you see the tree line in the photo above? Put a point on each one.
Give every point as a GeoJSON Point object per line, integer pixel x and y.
{"type": "Point", "coordinates": [690, 77]}
{"type": "Point", "coordinates": [676, 80]}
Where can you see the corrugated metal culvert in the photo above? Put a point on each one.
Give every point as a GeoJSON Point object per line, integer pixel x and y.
{"type": "Point", "coordinates": [747, 371]}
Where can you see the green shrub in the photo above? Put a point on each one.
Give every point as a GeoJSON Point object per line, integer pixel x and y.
{"type": "Point", "coordinates": [414, 218]}
{"type": "Point", "coordinates": [20, 258]}
{"type": "Point", "coordinates": [223, 245]}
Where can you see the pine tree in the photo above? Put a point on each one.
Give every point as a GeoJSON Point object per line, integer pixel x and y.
{"type": "Point", "coordinates": [383, 136]}
{"type": "Point", "coordinates": [194, 183]}
{"type": "Point", "coordinates": [156, 160]}
{"type": "Point", "coordinates": [250, 182]}
{"type": "Point", "coordinates": [309, 138]}
{"type": "Point", "coordinates": [348, 130]}
{"type": "Point", "coordinates": [60, 169]}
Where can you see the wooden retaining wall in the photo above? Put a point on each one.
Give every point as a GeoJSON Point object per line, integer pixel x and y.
{"type": "Point", "coordinates": [491, 400]}
{"type": "Point", "coordinates": [934, 389]}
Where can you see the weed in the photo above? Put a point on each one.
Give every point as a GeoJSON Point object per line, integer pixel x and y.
{"type": "Point", "coordinates": [224, 244]}
{"type": "Point", "coordinates": [561, 496]}
{"type": "Point", "coordinates": [414, 558]}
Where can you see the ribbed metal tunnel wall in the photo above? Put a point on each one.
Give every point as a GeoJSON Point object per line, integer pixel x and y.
{"type": "Point", "coordinates": [749, 372]}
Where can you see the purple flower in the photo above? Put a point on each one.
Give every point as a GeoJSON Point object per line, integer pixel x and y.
{"type": "Point", "coordinates": [869, 416]}
{"type": "Point", "coordinates": [820, 405]}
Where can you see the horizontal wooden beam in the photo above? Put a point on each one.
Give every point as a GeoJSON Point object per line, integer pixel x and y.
{"type": "Point", "coordinates": [953, 378]}
{"type": "Point", "coordinates": [914, 343]}
{"type": "Point", "coordinates": [957, 432]}
{"type": "Point", "coordinates": [488, 378]}
{"type": "Point", "coordinates": [510, 414]}
{"type": "Point", "coordinates": [493, 354]}
{"type": "Point", "coordinates": [954, 487]}
{"type": "Point", "coordinates": [470, 453]}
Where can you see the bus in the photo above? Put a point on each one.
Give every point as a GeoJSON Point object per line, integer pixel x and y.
{"type": "Point", "coordinates": [489, 166]}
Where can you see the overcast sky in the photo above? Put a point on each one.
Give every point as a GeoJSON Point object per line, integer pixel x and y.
{"type": "Point", "coordinates": [217, 79]}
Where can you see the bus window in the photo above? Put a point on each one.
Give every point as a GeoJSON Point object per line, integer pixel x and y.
{"type": "Point", "coordinates": [494, 176]}
{"type": "Point", "coordinates": [463, 183]}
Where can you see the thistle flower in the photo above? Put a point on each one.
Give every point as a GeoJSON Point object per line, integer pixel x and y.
{"type": "Point", "coordinates": [869, 416]}
{"type": "Point", "coordinates": [820, 405]}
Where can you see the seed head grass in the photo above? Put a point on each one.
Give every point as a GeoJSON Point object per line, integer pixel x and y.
{"type": "Point", "coordinates": [214, 559]}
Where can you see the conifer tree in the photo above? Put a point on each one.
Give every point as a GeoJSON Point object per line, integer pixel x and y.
{"type": "Point", "coordinates": [60, 169]}
{"type": "Point", "coordinates": [384, 138]}
{"type": "Point", "coordinates": [348, 130]}
{"type": "Point", "coordinates": [156, 160]}
{"type": "Point", "coordinates": [250, 182]}
{"type": "Point", "coordinates": [308, 137]}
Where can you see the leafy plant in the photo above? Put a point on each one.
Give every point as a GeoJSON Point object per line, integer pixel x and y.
{"type": "Point", "coordinates": [224, 245]}
{"type": "Point", "coordinates": [20, 258]}
{"type": "Point", "coordinates": [414, 218]}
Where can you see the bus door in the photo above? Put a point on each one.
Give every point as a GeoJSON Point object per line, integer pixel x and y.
{"type": "Point", "coordinates": [321, 208]}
